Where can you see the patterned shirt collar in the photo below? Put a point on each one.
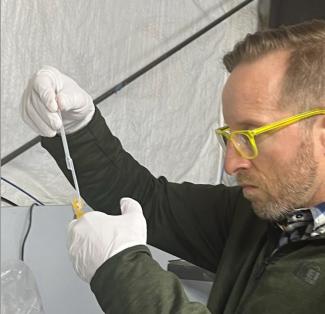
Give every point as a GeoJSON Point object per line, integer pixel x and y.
{"type": "Point", "coordinates": [318, 213]}
{"type": "Point", "coordinates": [303, 223]}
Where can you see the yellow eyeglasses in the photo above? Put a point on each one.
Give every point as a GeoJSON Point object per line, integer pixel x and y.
{"type": "Point", "coordinates": [244, 140]}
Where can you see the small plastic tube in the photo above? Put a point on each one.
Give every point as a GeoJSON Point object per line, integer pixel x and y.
{"type": "Point", "coordinates": [77, 203]}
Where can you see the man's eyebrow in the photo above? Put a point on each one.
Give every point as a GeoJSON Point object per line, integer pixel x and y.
{"type": "Point", "coordinates": [250, 123]}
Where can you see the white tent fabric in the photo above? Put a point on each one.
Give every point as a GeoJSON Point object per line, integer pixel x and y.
{"type": "Point", "coordinates": [165, 119]}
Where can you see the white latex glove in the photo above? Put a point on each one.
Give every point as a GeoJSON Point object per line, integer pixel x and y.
{"type": "Point", "coordinates": [49, 89]}
{"type": "Point", "coordinates": [96, 237]}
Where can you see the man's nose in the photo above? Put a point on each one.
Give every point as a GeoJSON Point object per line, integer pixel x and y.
{"type": "Point", "coordinates": [234, 161]}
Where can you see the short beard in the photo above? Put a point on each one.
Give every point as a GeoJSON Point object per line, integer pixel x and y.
{"type": "Point", "coordinates": [291, 188]}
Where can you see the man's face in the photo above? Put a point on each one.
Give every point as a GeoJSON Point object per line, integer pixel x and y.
{"type": "Point", "coordinates": [283, 175]}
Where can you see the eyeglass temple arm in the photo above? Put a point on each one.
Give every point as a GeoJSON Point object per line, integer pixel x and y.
{"type": "Point", "coordinates": [288, 121]}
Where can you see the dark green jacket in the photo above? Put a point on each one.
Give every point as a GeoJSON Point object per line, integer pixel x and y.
{"type": "Point", "coordinates": [210, 226]}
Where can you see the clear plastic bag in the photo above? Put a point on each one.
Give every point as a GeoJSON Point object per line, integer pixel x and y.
{"type": "Point", "coordinates": [19, 293]}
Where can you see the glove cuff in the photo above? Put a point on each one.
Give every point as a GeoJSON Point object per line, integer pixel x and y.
{"type": "Point", "coordinates": [74, 126]}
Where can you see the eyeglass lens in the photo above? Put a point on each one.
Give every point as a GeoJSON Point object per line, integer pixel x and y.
{"type": "Point", "coordinates": [243, 145]}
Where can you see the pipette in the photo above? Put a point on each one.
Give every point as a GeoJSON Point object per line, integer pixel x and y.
{"type": "Point", "coordinates": [77, 203]}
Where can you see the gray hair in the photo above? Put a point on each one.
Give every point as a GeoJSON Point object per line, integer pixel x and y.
{"type": "Point", "coordinates": [304, 81]}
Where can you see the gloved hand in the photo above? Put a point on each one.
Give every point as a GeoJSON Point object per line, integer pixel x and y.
{"type": "Point", "coordinates": [96, 237]}
{"type": "Point", "coordinates": [46, 92]}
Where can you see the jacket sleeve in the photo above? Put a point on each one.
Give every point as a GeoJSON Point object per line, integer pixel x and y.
{"type": "Point", "coordinates": [190, 221]}
{"type": "Point", "coordinates": [132, 282]}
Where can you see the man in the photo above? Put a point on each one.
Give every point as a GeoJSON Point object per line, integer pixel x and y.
{"type": "Point", "coordinates": [264, 239]}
